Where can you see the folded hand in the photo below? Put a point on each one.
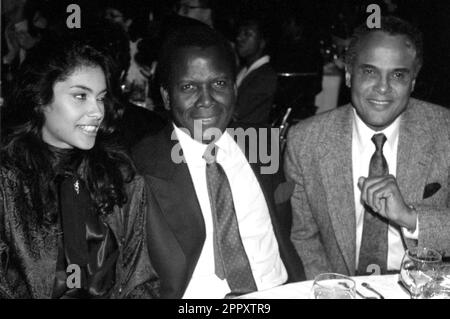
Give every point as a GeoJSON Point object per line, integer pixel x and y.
{"type": "Point", "coordinates": [383, 196]}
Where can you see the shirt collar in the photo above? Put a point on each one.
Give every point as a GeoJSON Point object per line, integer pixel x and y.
{"type": "Point", "coordinates": [193, 150]}
{"type": "Point", "coordinates": [365, 133]}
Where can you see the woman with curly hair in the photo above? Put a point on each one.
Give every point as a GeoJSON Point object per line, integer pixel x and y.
{"type": "Point", "coordinates": [72, 210]}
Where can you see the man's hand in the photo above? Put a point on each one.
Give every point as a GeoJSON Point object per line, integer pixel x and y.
{"type": "Point", "coordinates": [383, 196]}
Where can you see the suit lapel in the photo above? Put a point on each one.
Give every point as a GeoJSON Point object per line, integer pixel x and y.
{"type": "Point", "coordinates": [335, 153]}
{"type": "Point", "coordinates": [414, 153]}
{"type": "Point", "coordinates": [173, 188]}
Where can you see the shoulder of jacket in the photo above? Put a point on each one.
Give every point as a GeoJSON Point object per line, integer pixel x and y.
{"type": "Point", "coordinates": [318, 124]}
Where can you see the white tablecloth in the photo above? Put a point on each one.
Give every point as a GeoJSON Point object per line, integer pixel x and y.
{"type": "Point", "coordinates": [387, 285]}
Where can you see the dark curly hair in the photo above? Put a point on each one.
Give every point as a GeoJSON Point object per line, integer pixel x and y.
{"type": "Point", "coordinates": [104, 168]}
{"type": "Point", "coordinates": [190, 35]}
{"type": "Point", "coordinates": [393, 26]}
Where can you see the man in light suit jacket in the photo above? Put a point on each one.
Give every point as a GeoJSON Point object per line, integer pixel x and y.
{"type": "Point", "coordinates": [328, 158]}
{"type": "Point", "coordinates": [197, 73]}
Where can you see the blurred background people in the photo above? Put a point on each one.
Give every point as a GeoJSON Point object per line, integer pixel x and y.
{"type": "Point", "coordinates": [257, 80]}
{"type": "Point", "coordinates": [200, 10]}
{"type": "Point", "coordinates": [135, 121]}
{"type": "Point", "coordinates": [298, 63]}
{"type": "Point", "coordinates": [26, 24]}
{"type": "Point", "coordinates": [133, 17]}
{"type": "Point", "coordinates": [310, 38]}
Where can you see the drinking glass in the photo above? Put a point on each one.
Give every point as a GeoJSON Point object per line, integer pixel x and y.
{"type": "Point", "coordinates": [333, 286]}
{"type": "Point", "coordinates": [419, 266]}
{"type": "Point", "coordinates": [438, 288]}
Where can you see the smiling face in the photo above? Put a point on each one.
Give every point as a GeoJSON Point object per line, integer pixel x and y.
{"type": "Point", "coordinates": [74, 115]}
{"type": "Point", "coordinates": [201, 90]}
{"type": "Point", "coordinates": [382, 78]}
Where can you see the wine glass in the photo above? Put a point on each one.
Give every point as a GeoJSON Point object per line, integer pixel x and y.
{"type": "Point", "coordinates": [419, 266]}
{"type": "Point", "coordinates": [438, 288]}
{"type": "Point", "coordinates": [333, 286]}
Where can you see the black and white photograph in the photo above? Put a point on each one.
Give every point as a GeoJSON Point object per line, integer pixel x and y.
{"type": "Point", "coordinates": [225, 154]}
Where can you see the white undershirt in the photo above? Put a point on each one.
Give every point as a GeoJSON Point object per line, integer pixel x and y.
{"type": "Point", "coordinates": [246, 71]}
{"type": "Point", "coordinates": [362, 150]}
{"type": "Point", "coordinates": [252, 213]}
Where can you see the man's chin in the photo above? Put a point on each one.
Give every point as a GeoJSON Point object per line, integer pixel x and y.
{"type": "Point", "coordinates": [379, 125]}
{"type": "Point", "coordinates": [207, 131]}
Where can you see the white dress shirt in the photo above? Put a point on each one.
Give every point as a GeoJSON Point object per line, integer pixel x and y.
{"type": "Point", "coordinates": [246, 71]}
{"type": "Point", "coordinates": [252, 213]}
{"type": "Point", "coordinates": [362, 150]}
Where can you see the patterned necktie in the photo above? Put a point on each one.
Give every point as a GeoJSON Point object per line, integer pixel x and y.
{"type": "Point", "coordinates": [374, 242]}
{"type": "Point", "coordinates": [231, 261]}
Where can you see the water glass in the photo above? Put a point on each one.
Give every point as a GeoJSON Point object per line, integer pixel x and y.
{"type": "Point", "coordinates": [438, 288]}
{"type": "Point", "coordinates": [333, 286]}
{"type": "Point", "coordinates": [419, 267]}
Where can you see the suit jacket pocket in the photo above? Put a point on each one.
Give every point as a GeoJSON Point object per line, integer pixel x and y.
{"type": "Point", "coordinates": [431, 189]}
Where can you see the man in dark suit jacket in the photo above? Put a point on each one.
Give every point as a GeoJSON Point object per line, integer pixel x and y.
{"type": "Point", "coordinates": [328, 158]}
{"type": "Point", "coordinates": [197, 72]}
{"type": "Point", "coordinates": [257, 80]}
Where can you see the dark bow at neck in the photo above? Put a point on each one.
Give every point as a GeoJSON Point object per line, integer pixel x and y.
{"type": "Point", "coordinates": [64, 160]}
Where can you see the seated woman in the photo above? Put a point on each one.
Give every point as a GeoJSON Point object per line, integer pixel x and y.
{"type": "Point", "coordinates": [72, 211]}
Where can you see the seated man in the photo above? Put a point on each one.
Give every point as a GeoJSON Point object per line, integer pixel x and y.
{"type": "Point", "coordinates": [213, 224]}
{"type": "Point", "coordinates": [372, 177]}
{"type": "Point", "coordinates": [257, 81]}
